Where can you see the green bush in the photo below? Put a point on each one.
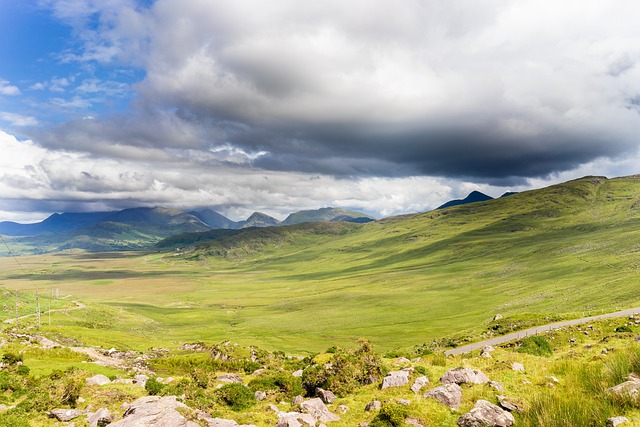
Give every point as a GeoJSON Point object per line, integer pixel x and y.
{"type": "Point", "coordinates": [391, 415]}
{"type": "Point", "coordinates": [420, 369]}
{"type": "Point", "coordinates": [153, 387]}
{"type": "Point", "coordinates": [536, 345]}
{"type": "Point", "coordinates": [237, 396]}
{"type": "Point", "coordinates": [348, 370]}
{"type": "Point", "coordinates": [283, 383]}
{"type": "Point", "coordinates": [11, 358]}
{"type": "Point", "coordinates": [623, 328]}
{"type": "Point", "coordinates": [23, 370]}
{"type": "Point", "coordinates": [15, 420]}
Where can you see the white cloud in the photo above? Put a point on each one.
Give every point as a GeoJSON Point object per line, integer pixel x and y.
{"type": "Point", "coordinates": [18, 119]}
{"type": "Point", "coordinates": [6, 88]}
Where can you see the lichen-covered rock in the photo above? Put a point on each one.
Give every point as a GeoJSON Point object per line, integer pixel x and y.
{"type": "Point", "coordinates": [486, 414]}
{"type": "Point", "coordinates": [65, 415]}
{"type": "Point", "coordinates": [154, 411]}
{"type": "Point", "coordinates": [325, 395]}
{"type": "Point", "coordinates": [464, 376]}
{"type": "Point", "coordinates": [98, 380]}
{"type": "Point", "coordinates": [616, 421]}
{"type": "Point", "coordinates": [419, 383]}
{"type": "Point", "coordinates": [448, 394]}
{"type": "Point", "coordinates": [316, 408]}
{"type": "Point", "coordinates": [395, 379]}
{"type": "Point", "coordinates": [100, 418]}
{"type": "Point", "coordinates": [374, 405]}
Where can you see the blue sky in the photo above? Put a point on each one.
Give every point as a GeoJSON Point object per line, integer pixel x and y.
{"type": "Point", "coordinates": [280, 106]}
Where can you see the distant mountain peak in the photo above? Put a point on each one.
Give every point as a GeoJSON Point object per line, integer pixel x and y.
{"type": "Point", "coordinates": [473, 197]}
{"type": "Point", "coordinates": [259, 219]}
{"type": "Point", "coordinates": [328, 214]}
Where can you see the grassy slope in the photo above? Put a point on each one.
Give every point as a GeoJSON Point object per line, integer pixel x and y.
{"type": "Point", "coordinates": [566, 249]}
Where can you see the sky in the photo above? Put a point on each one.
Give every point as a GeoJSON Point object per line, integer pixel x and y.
{"type": "Point", "coordinates": [278, 106]}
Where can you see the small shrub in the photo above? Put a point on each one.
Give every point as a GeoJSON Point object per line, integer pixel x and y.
{"type": "Point", "coordinates": [420, 369]}
{"type": "Point", "coordinates": [285, 384]}
{"type": "Point", "coordinates": [153, 386]}
{"type": "Point", "coordinates": [237, 396]}
{"type": "Point", "coordinates": [14, 420]}
{"type": "Point", "coordinates": [23, 370]}
{"type": "Point", "coordinates": [439, 359]}
{"type": "Point", "coordinates": [623, 328]}
{"type": "Point", "coordinates": [536, 345]}
{"type": "Point", "coordinates": [11, 358]}
{"type": "Point", "coordinates": [391, 415]}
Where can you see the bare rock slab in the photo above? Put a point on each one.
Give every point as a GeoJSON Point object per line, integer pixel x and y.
{"type": "Point", "coordinates": [100, 418]}
{"type": "Point", "coordinates": [395, 379]}
{"type": "Point", "coordinates": [316, 408]}
{"type": "Point", "coordinates": [448, 394]}
{"type": "Point", "coordinates": [486, 414]}
{"type": "Point", "coordinates": [464, 376]}
{"type": "Point", "coordinates": [65, 415]}
{"type": "Point", "coordinates": [154, 411]}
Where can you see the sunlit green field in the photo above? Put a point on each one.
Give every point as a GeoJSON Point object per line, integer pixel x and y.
{"type": "Point", "coordinates": [565, 250]}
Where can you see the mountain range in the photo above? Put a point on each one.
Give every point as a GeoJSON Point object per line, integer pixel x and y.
{"type": "Point", "coordinates": [140, 228]}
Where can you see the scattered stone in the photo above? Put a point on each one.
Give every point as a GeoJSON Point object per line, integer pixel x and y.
{"type": "Point", "coordinates": [140, 380]}
{"type": "Point", "coordinates": [297, 400]}
{"type": "Point", "coordinates": [616, 421]}
{"type": "Point", "coordinates": [325, 395]}
{"type": "Point", "coordinates": [628, 389]}
{"type": "Point", "coordinates": [274, 408]}
{"type": "Point", "coordinates": [497, 317]}
{"type": "Point", "coordinates": [402, 361]}
{"type": "Point", "coordinates": [395, 379]}
{"type": "Point", "coordinates": [98, 380]}
{"type": "Point", "coordinates": [419, 383]}
{"type": "Point", "coordinates": [81, 400]}
{"type": "Point", "coordinates": [553, 380]}
{"type": "Point", "coordinates": [260, 395]}
{"type": "Point", "coordinates": [363, 424]}
{"type": "Point", "coordinates": [403, 402]}
{"type": "Point", "coordinates": [230, 378]}
{"type": "Point", "coordinates": [572, 340]}
{"type": "Point", "coordinates": [65, 415]}
{"type": "Point", "coordinates": [488, 349]}
{"type": "Point", "coordinates": [295, 419]}
{"type": "Point", "coordinates": [193, 346]}
{"type": "Point", "coordinates": [449, 394]}
{"type": "Point", "coordinates": [155, 411]}
{"type": "Point", "coordinates": [413, 422]}
{"type": "Point", "coordinates": [605, 351]}
{"type": "Point", "coordinates": [343, 409]}
{"type": "Point", "coordinates": [496, 386]}
{"type": "Point", "coordinates": [486, 355]}
{"type": "Point", "coordinates": [318, 410]}
{"type": "Point", "coordinates": [374, 405]}
{"type": "Point", "coordinates": [298, 373]}
{"type": "Point", "coordinates": [511, 404]}
{"type": "Point", "coordinates": [464, 376]}
{"type": "Point", "coordinates": [100, 418]}
{"type": "Point", "coordinates": [486, 414]}
{"type": "Point", "coordinates": [519, 367]}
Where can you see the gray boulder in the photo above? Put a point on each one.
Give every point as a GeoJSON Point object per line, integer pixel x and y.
{"type": "Point", "coordinates": [496, 386]}
{"type": "Point", "coordinates": [260, 395]}
{"type": "Point", "coordinates": [448, 394]}
{"type": "Point", "coordinates": [511, 404]}
{"type": "Point", "coordinates": [325, 395]}
{"type": "Point", "coordinates": [616, 421]}
{"type": "Point", "coordinates": [98, 380]}
{"type": "Point", "coordinates": [316, 408]}
{"type": "Point", "coordinates": [154, 411]}
{"type": "Point", "coordinates": [464, 376]}
{"type": "Point", "coordinates": [140, 379]}
{"type": "Point", "coordinates": [486, 414]}
{"type": "Point", "coordinates": [374, 405]}
{"type": "Point", "coordinates": [65, 415]}
{"type": "Point", "coordinates": [519, 367]}
{"type": "Point", "coordinates": [295, 419]}
{"type": "Point", "coordinates": [419, 383]}
{"type": "Point", "coordinates": [100, 418]}
{"type": "Point", "coordinates": [395, 379]}
{"type": "Point", "coordinates": [628, 389]}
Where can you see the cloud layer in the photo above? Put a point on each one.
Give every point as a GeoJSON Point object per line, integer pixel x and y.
{"type": "Point", "coordinates": [379, 100]}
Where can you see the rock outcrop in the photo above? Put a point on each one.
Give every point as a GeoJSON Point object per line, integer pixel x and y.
{"type": "Point", "coordinates": [65, 415]}
{"type": "Point", "coordinates": [419, 383]}
{"type": "Point", "coordinates": [448, 394]}
{"type": "Point", "coordinates": [464, 376]}
{"type": "Point", "coordinates": [153, 411]}
{"type": "Point", "coordinates": [486, 414]}
{"type": "Point", "coordinates": [395, 379]}
{"type": "Point", "coordinates": [316, 408]}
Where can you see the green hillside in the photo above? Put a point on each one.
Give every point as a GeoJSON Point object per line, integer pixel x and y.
{"type": "Point", "coordinates": [556, 252]}
{"type": "Point", "coordinates": [324, 215]}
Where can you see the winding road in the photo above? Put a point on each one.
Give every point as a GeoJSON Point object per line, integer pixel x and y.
{"type": "Point", "coordinates": [536, 330]}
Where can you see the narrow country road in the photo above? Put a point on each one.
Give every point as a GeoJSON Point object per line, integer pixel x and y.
{"type": "Point", "coordinates": [535, 330]}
